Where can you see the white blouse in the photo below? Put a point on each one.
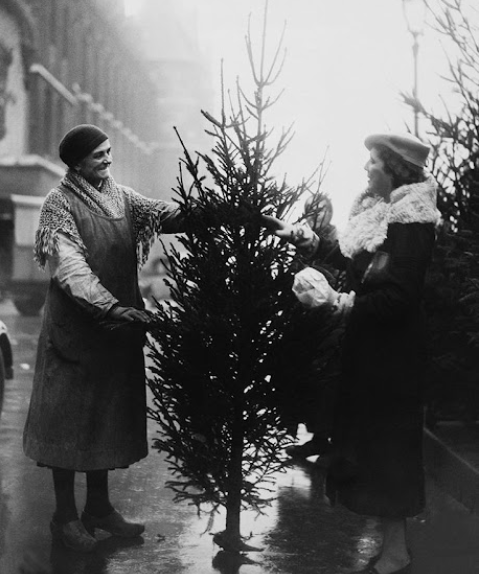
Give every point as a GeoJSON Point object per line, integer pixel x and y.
{"type": "Point", "coordinates": [69, 268]}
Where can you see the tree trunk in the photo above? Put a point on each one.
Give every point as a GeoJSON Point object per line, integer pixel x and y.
{"type": "Point", "coordinates": [230, 538]}
{"type": "Point", "coordinates": [235, 475]}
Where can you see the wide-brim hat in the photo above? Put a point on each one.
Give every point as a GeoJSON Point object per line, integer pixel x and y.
{"type": "Point", "coordinates": [79, 142]}
{"type": "Point", "coordinates": [409, 147]}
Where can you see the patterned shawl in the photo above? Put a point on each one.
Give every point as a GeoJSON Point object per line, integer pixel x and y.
{"type": "Point", "coordinates": [370, 215]}
{"type": "Point", "coordinates": [148, 214]}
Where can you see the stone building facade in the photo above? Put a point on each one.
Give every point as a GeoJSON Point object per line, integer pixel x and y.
{"type": "Point", "coordinates": [64, 62]}
{"type": "Point", "coordinates": [182, 73]}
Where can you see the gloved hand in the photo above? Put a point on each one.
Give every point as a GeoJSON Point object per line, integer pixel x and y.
{"type": "Point", "coordinates": [299, 234]}
{"type": "Point", "coordinates": [344, 303]}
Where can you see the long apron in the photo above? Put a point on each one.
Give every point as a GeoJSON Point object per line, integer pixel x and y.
{"type": "Point", "coordinates": [88, 402]}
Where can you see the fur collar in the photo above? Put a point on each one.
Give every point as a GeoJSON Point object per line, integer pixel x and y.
{"type": "Point", "coordinates": [370, 215]}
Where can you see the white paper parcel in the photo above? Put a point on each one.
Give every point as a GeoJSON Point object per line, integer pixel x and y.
{"type": "Point", "coordinates": [312, 288]}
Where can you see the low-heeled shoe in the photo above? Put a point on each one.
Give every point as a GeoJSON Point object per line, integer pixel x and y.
{"type": "Point", "coordinates": [73, 535]}
{"type": "Point", "coordinates": [371, 569]}
{"type": "Point", "coordinates": [114, 523]}
{"type": "Point", "coordinates": [307, 449]}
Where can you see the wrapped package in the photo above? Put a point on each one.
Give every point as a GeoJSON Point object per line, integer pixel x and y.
{"type": "Point", "coordinates": [312, 288]}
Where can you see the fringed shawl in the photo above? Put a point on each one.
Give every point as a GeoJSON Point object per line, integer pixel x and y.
{"type": "Point", "coordinates": [371, 215]}
{"type": "Point", "coordinates": [56, 216]}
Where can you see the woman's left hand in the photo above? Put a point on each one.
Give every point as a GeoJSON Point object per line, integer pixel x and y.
{"type": "Point", "coordinates": [344, 303]}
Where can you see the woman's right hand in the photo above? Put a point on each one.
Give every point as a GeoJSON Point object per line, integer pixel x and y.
{"type": "Point", "coordinates": [128, 315]}
{"type": "Point", "coordinates": [280, 228]}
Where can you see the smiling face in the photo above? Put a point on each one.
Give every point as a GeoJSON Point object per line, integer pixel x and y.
{"type": "Point", "coordinates": [95, 167]}
{"type": "Point", "coordinates": [380, 182]}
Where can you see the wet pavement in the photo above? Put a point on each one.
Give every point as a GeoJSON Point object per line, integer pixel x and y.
{"type": "Point", "coordinates": [299, 534]}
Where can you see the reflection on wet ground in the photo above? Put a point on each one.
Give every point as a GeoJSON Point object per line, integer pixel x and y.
{"type": "Point", "coordinates": [299, 534]}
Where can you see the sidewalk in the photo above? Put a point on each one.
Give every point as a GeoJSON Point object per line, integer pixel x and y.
{"type": "Point", "coordinates": [451, 452]}
{"type": "Point", "coordinates": [299, 534]}
{"type": "Point", "coordinates": [452, 458]}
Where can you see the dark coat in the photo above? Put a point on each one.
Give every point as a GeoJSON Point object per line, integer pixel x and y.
{"type": "Point", "coordinates": [378, 420]}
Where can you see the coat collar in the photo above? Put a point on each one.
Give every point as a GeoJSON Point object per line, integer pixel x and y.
{"type": "Point", "coordinates": [371, 215]}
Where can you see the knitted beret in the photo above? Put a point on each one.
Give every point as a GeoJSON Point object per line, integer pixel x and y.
{"type": "Point", "coordinates": [79, 142]}
{"type": "Point", "coordinates": [409, 147]}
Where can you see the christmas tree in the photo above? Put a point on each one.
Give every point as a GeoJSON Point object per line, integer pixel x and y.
{"type": "Point", "coordinates": [214, 345]}
{"type": "Point", "coordinates": [452, 288]}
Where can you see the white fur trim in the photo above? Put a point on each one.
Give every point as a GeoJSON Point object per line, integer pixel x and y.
{"type": "Point", "coordinates": [371, 215]}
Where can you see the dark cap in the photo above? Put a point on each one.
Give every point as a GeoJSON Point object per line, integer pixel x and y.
{"type": "Point", "coordinates": [79, 142]}
{"type": "Point", "coordinates": [409, 147]}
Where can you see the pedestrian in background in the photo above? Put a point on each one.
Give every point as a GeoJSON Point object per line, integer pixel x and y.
{"type": "Point", "coordinates": [88, 404]}
{"type": "Point", "coordinates": [306, 371]}
{"type": "Point", "coordinates": [386, 248]}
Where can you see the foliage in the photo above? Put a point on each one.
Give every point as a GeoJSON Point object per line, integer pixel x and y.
{"type": "Point", "coordinates": [213, 345]}
{"type": "Point", "coordinates": [453, 286]}
{"type": "Point", "coordinates": [452, 307]}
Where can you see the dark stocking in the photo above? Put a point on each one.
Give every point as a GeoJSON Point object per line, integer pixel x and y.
{"type": "Point", "coordinates": [64, 484]}
{"type": "Point", "coordinates": [97, 499]}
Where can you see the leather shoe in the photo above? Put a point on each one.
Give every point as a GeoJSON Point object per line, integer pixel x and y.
{"type": "Point", "coordinates": [311, 448]}
{"type": "Point", "coordinates": [114, 523]}
{"type": "Point", "coordinates": [73, 535]}
{"type": "Point", "coordinates": [371, 569]}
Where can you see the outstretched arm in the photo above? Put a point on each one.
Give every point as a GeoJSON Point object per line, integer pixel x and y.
{"type": "Point", "coordinates": [299, 234]}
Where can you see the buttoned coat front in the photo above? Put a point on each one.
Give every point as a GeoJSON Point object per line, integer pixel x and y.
{"type": "Point", "coordinates": [378, 420]}
{"type": "Point", "coordinates": [379, 415]}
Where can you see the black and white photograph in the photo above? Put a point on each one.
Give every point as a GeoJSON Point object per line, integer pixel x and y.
{"type": "Point", "coordinates": [239, 287]}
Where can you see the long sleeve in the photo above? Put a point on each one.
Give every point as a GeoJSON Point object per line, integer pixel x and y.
{"type": "Point", "coordinates": [170, 217]}
{"type": "Point", "coordinates": [151, 218]}
{"type": "Point", "coordinates": [69, 269]}
{"type": "Point", "coordinates": [312, 247]}
{"type": "Point", "coordinates": [165, 214]}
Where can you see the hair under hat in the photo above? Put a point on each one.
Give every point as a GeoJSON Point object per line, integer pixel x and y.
{"type": "Point", "coordinates": [79, 142]}
{"type": "Point", "coordinates": [409, 147]}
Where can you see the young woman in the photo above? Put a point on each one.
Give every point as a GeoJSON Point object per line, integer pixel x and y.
{"type": "Point", "coordinates": [386, 248]}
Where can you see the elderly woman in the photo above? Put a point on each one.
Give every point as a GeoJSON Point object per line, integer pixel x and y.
{"type": "Point", "coordinates": [386, 248]}
{"type": "Point", "coordinates": [88, 405]}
